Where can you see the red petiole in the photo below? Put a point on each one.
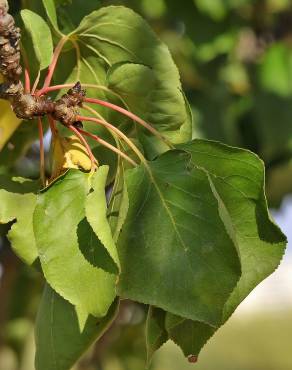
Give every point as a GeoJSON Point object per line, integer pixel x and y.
{"type": "Point", "coordinates": [54, 62]}
{"type": "Point", "coordinates": [107, 145]}
{"type": "Point", "coordinates": [26, 81]}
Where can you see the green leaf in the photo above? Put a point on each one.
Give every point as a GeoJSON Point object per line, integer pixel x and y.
{"type": "Point", "coordinates": [96, 212]}
{"type": "Point", "coordinates": [60, 341]}
{"type": "Point", "coordinates": [132, 55]}
{"type": "Point", "coordinates": [180, 215]}
{"type": "Point", "coordinates": [41, 37]}
{"type": "Point", "coordinates": [18, 200]}
{"type": "Point", "coordinates": [59, 213]}
{"type": "Point", "coordinates": [152, 97]}
{"type": "Point", "coordinates": [174, 244]}
{"type": "Point", "coordinates": [237, 177]}
{"type": "Point", "coordinates": [189, 335]}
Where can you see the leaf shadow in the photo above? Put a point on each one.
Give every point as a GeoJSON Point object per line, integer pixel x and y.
{"type": "Point", "coordinates": [93, 250]}
{"type": "Point", "coordinates": [18, 185]}
{"type": "Point", "coordinates": [267, 229]}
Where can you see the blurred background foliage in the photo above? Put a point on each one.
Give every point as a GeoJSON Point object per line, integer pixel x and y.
{"type": "Point", "coordinates": [235, 60]}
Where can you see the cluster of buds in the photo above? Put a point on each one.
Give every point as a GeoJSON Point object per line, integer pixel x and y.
{"type": "Point", "coordinates": [64, 110]}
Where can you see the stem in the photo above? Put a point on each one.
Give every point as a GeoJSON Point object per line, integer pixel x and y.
{"type": "Point", "coordinates": [26, 70]}
{"type": "Point", "coordinates": [130, 115]}
{"type": "Point", "coordinates": [35, 85]}
{"type": "Point", "coordinates": [81, 138]}
{"type": "Point", "coordinates": [54, 61]}
{"type": "Point", "coordinates": [107, 145]}
{"type": "Point", "coordinates": [48, 89]}
{"type": "Point", "coordinates": [26, 81]}
{"type": "Point", "coordinates": [42, 152]}
{"type": "Point", "coordinates": [114, 129]}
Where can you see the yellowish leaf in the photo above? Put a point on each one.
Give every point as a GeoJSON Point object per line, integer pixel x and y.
{"type": "Point", "coordinates": [8, 121]}
{"type": "Point", "coordinates": [68, 152]}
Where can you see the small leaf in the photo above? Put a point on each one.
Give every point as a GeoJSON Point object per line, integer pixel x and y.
{"type": "Point", "coordinates": [18, 201]}
{"type": "Point", "coordinates": [41, 37]}
{"type": "Point", "coordinates": [96, 212]}
{"type": "Point", "coordinates": [68, 152]}
{"type": "Point", "coordinates": [189, 335]}
{"type": "Point", "coordinates": [60, 341]}
{"type": "Point", "coordinates": [59, 212]}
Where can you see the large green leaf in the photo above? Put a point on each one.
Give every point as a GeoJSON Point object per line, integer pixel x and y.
{"type": "Point", "coordinates": [59, 214]}
{"type": "Point", "coordinates": [222, 189]}
{"type": "Point", "coordinates": [238, 180]}
{"type": "Point", "coordinates": [117, 37]}
{"type": "Point", "coordinates": [18, 200]}
{"type": "Point", "coordinates": [40, 35]}
{"type": "Point", "coordinates": [59, 339]}
{"type": "Point", "coordinates": [174, 243]}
